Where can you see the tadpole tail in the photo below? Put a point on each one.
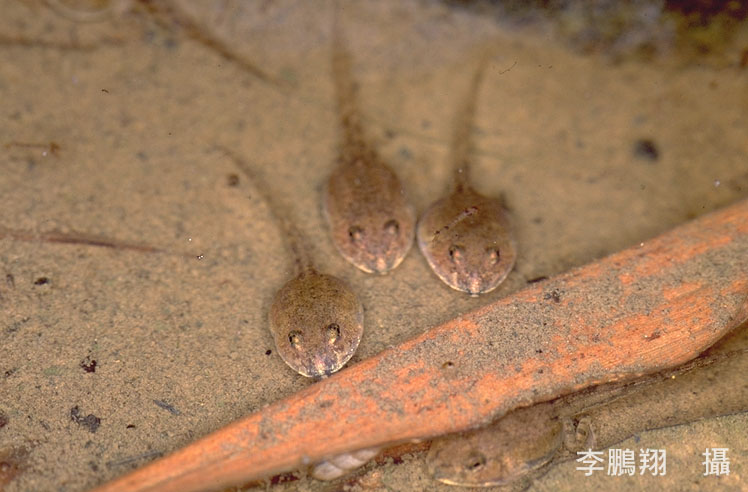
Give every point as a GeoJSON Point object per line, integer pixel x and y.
{"type": "Point", "coordinates": [345, 90]}
{"type": "Point", "coordinates": [166, 12]}
{"type": "Point", "coordinates": [294, 240]}
{"type": "Point", "coordinates": [462, 142]}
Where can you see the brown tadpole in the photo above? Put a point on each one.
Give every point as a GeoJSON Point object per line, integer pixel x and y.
{"type": "Point", "coordinates": [316, 319]}
{"type": "Point", "coordinates": [371, 221]}
{"type": "Point", "coordinates": [523, 441]}
{"type": "Point", "coordinates": [467, 237]}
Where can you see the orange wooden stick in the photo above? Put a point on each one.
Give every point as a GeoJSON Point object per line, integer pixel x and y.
{"type": "Point", "coordinates": [644, 309]}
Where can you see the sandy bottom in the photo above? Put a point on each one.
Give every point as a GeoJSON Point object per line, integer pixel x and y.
{"type": "Point", "coordinates": [110, 357]}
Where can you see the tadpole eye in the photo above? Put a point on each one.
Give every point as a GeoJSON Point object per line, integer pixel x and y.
{"type": "Point", "coordinates": [294, 338]}
{"type": "Point", "coordinates": [474, 461]}
{"type": "Point", "coordinates": [333, 332]}
{"type": "Point", "coordinates": [392, 227]}
{"type": "Point", "coordinates": [456, 253]}
{"type": "Point", "coordinates": [356, 233]}
{"type": "Point", "coordinates": [494, 255]}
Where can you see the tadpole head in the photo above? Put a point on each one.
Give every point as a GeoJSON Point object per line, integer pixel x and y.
{"type": "Point", "coordinates": [371, 223]}
{"type": "Point", "coordinates": [317, 323]}
{"type": "Point", "coordinates": [468, 242]}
